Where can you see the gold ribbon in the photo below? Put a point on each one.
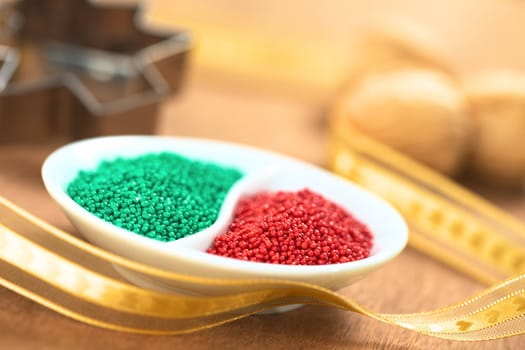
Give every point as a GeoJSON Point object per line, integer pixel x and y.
{"type": "Point", "coordinates": [446, 221]}
{"type": "Point", "coordinates": [78, 280]}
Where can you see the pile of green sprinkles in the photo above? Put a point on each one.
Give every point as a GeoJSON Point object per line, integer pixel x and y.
{"type": "Point", "coordinates": [163, 196]}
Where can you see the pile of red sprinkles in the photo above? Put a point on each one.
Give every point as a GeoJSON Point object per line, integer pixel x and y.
{"type": "Point", "coordinates": [293, 228]}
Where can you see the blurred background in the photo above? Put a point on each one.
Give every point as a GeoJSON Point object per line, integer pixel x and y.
{"type": "Point", "coordinates": [306, 45]}
{"type": "Point", "coordinates": [296, 60]}
{"type": "Point", "coordinates": [441, 81]}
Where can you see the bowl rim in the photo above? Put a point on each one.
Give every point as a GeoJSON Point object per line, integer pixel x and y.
{"type": "Point", "coordinates": [202, 258]}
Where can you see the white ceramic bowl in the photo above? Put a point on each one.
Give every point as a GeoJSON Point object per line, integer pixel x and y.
{"type": "Point", "coordinates": [263, 171]}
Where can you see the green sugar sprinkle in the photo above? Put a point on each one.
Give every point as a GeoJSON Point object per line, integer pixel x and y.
{"type": "Point", "coordinates": [163, 196]}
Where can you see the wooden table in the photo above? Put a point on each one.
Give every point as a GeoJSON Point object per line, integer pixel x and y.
{"type": "Point", "coordinates": [412, 282]}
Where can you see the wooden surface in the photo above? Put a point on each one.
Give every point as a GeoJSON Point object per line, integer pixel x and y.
{"type": "Point", "coordinates": [412, 282]}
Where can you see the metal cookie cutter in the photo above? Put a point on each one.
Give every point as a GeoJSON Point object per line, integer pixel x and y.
{"type": "Point", "coordinates": [72, 69]}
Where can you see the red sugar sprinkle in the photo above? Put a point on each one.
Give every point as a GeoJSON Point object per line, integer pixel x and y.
{"type": "Point", "coordinates": [293, 228]}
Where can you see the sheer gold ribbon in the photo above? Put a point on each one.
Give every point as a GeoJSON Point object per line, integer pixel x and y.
{"type": "Point", "coordinates": [77, 279]}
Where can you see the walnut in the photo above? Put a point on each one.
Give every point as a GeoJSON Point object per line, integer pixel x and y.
{"type": "Point", "coordinates": [419, 112]}
{"type": "Point", "coordinates": [497, 98]}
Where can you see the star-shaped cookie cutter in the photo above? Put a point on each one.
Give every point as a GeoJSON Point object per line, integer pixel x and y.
{"type": "Point", "coordinates": [72, 69]}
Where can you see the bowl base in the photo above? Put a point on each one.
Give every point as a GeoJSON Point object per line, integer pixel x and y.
{"type": "Point", "coordinates": [141, 281]}
{"type": "Point", "coordinates": [280, 309]}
